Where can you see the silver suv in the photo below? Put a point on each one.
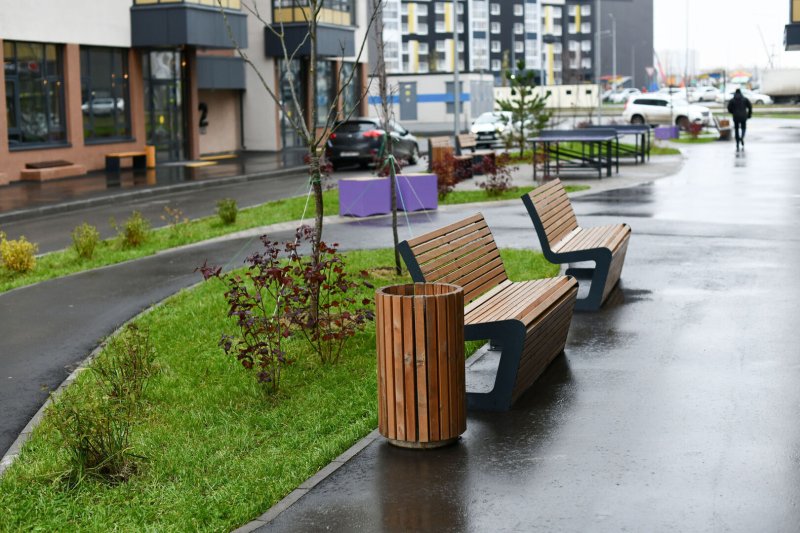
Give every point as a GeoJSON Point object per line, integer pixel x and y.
{"type": "Point", "coordinates": [660, 109]}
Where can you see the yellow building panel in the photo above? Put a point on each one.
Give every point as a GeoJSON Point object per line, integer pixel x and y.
{"type": "Point", "coordinates": [413, 55]}
{"type": "Point", "coordinates": [577, 19]}
{"type": "Point", "coordinates": [550, 60]}
{"type": "Point", "coordinates": [452, 45]}
{"type": "Point", "coordinates": [448, 17]}
{"type": "Point", "coordinates": [795, 10]}
{"type": "Point", "coordinates": [412, 18]}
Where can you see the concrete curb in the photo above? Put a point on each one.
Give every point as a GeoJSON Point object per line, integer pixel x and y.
{"type": "Point", "coordinates": [152, 192]}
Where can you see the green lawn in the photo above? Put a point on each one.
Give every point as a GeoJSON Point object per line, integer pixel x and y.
{"type": "Point", "coordinates": [514, 193]}
{"type": "Point", "coordinates": [574, 146]}
{"type": "Point", "coordinates": [111, 251]}
{"type": "Point", "coordinates": [218, 453]}
{"type": "Point", "coordinates": [776, 115]}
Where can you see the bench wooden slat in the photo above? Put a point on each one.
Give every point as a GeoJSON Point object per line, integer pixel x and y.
{"type": "Point", "coordinates": [127, 154]}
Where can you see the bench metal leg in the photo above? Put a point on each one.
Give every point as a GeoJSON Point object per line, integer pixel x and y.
{"type": "Point", "coordinates": [598, 275]}
{"type": "Point", "coordinates": [112, 164]}
{"type": "Point", "coordinates": [139, 162]}
{"type": "Point", "coordinates": [512, 334]}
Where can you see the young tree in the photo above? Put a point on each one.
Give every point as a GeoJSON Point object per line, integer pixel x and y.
{"type": "Point", "coordinates": [527, 109]}
{"type": "Point", "coordinates": [305, 125]}
{"type": "Point", "coordinates": [385, 111]}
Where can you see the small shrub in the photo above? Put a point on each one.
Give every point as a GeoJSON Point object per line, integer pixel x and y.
{"type": "Point", "coordinates": [126, 364]}
{"type": "Point", "coordinates": [177, 223]}
{"type": "Point", "coordinates": [695, 129]}
{"type": "Point", "coordinates": [498, 174]}
{"type": "Point", "coordinates": [18, 255]}
{"type": "Point", "coordinates": [85, 239]}
{"type": "Point", "coordinates": [95, 435]}
{"type": "Point", "coordinates": [446, 178]}
{"type": "Point", "coordinates": [134, 231]}
{"type": "Point", "coordinates": [324, 304]}
{"type": "Point", "coordinates": [227, 211]}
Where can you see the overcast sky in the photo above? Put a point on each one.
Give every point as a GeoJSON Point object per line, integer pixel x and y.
{"type": "Point", "coordinates": [725, 32]}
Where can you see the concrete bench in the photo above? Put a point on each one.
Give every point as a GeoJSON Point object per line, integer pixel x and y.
{"type": "Point", "coordinates": [563, 241]}
{"type": "Point", "coordinates": [51, 170]}
{"type": "Point", "coordinates": [529, 320]}
{"type": "Point", "coordinates": [362, 197]}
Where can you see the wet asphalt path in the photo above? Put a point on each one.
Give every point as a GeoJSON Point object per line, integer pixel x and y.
{"type": "Point", "coordinates": [672, 410]}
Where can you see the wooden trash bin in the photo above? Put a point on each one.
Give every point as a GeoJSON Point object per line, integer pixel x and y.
{"type": "Point", "coordinates": [421, 387]}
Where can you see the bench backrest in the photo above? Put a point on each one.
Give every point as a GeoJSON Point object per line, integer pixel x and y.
{"type": "Point", "coordinates": [466, 141]}
{"type": "Point", "coordinates": [463, 253]}
{"type": "Point", "coordinates": [437, 148]}
{"type": "Point", "coordinates": [551, 212]}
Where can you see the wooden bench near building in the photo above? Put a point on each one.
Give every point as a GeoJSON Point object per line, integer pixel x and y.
{"type": "Point", "coordinates": [467, 144]}
{"type": "Point", "coordinates": [529, 320]}
{"type": "Point", "coordinates": [440, 147]}
{"type": "Point", "coordinates": [51, 170]}
{"type": "Point", "coordinates": [138, 160]}
{"type": "Point", "coordinates": [563, 241]}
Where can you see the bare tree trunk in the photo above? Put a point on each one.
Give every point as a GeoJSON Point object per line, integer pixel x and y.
{"type": "Point", "coordinates": [386, 113]}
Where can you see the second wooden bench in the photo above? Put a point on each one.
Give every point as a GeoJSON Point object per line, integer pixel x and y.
{"type": "Point", "coordinates": [563, 241]}
{"type": "Point", "coordinates": [529, 320]}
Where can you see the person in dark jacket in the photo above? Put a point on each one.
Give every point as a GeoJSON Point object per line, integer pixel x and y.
{"type": "Point", "coordinates": [741, 109]}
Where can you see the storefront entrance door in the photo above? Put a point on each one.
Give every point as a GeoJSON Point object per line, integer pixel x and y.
{"type": "Point", "coordinates": [163, 96]}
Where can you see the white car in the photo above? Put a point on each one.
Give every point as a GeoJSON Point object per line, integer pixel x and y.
{"type": "Point", "coordinates": [623, 95]}
{"type": "Point", "coordinates": [754, 97]}
{"type": "Point", "coordinates": [103, 106]}
{"type": "Point", "coordinates": [654, 108]}
{"type": "Point", "coordinates": [704, 94]}
{"type": "Point", "coordinates": [492, 127]}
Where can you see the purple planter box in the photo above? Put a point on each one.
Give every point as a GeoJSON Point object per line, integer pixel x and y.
{"type": "Point", "coordinates": [417, 192]}
{"type": "Point", "coordinates": [667, 132]}
{"type": "Point", "coordinates": [363, 197]}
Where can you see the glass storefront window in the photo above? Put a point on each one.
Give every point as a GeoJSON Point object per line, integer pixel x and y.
{"type": "Point", "coordinates": [325, 87]}
{"type": "Point", "coordinates": [105, 100]}
{"type": "Point", "coordinates": [34, 93]}
{"type": "Point", "coordinates": [352, 93]}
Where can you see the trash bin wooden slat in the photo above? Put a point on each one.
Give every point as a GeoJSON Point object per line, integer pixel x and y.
{"type": "Point", "coordinates": [421, 381]}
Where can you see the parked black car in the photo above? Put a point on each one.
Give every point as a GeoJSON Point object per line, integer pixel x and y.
{"type": "Point", "coordinates": [358, 141]}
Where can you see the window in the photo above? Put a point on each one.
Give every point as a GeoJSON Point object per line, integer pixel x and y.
{"type": "Point", "coordinates": [403, 9]}
{"type": "Point", "coordinates": [494, 9]}
{"type": "Point", "coordinates": [496, 64]}
{"type": "Point", "coordinates": [519, 28]}
{"type": "Point", "coordinates": [571, 28]}
{"type": "Point", "coordinates": [586, 62]}
{"type": "Point", "coordinates": [518, 10]}
{"type": "Point", "coordinates": [325, 88]}
{"type": "Point", "coordinates": [439, 8]}
{"type": "Point", "coordinates": [573, 10]}
{"type": "Point", "coordinates": [351, 93]}
{"type": "Point", "coordinates": [556, 12]}
{"type": "Point", "coordinates": [557, 48]}
{"type": "Point", "coordinates": [586, 46]}
{"type": "Point", "coordinates": [34, 93]}
{"type": "Point", "coordinates": [104, 93]}
{"type": "Point", "coordinates": [519, 47]}
{"type": "Point", "coordinates": [423, 48]}
{"type": "Point", "coordinates": [422, 10]}
{"type": "Point", "coordinates": [440, 26]}
{"type": "Point", "coordinates": [586, 27]}
{"type": "Point", "coordinates": [460, 8]}
{"type": "Point", "coordinates": [586, 10]}
{"type": "Point", "coordinates": [574, 46]}
{"type": "Point", "coordinates": [495, 27]}
{"type": "Point", "coordinates": [496, 46]}
{"type": "Point", "coordinates": [440, 46]}
{"type": "Point", "coordinates": [422, 28]}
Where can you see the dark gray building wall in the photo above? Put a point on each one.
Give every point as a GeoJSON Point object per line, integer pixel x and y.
{"type": "Point", "coordinates": [634, 38]}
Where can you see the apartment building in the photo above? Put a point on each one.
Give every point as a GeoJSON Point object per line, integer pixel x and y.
{"type": "Point", "coordinates": [791, 33]}
{"type": "Point", "coordinates": [82, 79]}
{"type": "Point", "coordinates": [556, 38]}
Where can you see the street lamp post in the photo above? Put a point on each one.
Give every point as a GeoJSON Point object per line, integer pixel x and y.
{"type": "Point", "coordinates": [456, 83]}
{"type": "Point", "coordinates": [598, 60]}
{"type": "Point", "coordinates": [614, 47]}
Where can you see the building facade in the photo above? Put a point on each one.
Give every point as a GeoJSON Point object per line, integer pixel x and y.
{"type": "Point", "coordinates": [791, 33]}
{"type": "Point", "coordinates": [556, 38]}
{"type": "Point", "coordinates": [83, 79]}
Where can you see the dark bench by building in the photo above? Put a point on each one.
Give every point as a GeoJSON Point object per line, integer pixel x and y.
{"type": "Point", "coordinates": [563, 241]}
{"type": "Point", "coordinates": [529, 320]}
{"type": "Point", "coordinates": [114, 161]}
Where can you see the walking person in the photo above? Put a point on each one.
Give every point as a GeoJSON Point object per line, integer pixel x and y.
{"type": "Point", "coordinates": [741, 109]}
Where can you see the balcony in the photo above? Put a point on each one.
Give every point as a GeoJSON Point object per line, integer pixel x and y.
{"type": "Point", "coordinates": [198, 23]}
{"type": "Point", "coordinates": [335, 30]}
{"type": "Point", "coordinates": [791, 37]}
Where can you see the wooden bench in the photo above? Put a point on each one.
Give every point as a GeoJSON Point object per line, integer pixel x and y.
{"type": "Point", "coordinates": [114, 161]}
{"type": "Point", "coordinates": [439, 147]}
{"type": "Point", "coordinates": [529, 320]}
{"type": "Point", "coordinates": [563, 241]}
{"type": "Point", "coordinates": [467, 141]}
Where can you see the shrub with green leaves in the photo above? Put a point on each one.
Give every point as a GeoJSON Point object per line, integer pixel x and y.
{"type": "Point", "coordinates": [227, 210]}
{"type": "Point", "coordinates": [85, 239]}
{"type": "Point", "coordinates": [134, 231]}
{"type": "Point", "coordinates": [18, 255]}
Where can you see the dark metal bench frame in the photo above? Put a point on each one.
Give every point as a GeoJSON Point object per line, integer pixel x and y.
{"type": "Point", "coordinates": [599, 150]}
{"type": "Point", "coordinates": [642, 135]}
{"type": "Point", "coordinates": [510, 335]}
{"type": "Point", "coordinates": [608, 263]}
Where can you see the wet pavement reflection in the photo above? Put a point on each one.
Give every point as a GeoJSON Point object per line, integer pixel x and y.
{"type": "Point", "coordinates": [672, 409]}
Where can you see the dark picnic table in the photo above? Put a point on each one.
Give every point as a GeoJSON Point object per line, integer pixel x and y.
{"type": "Point", "coordinates": [599, 150]}
{"type": "Point", "coordinates": [641, 132]}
